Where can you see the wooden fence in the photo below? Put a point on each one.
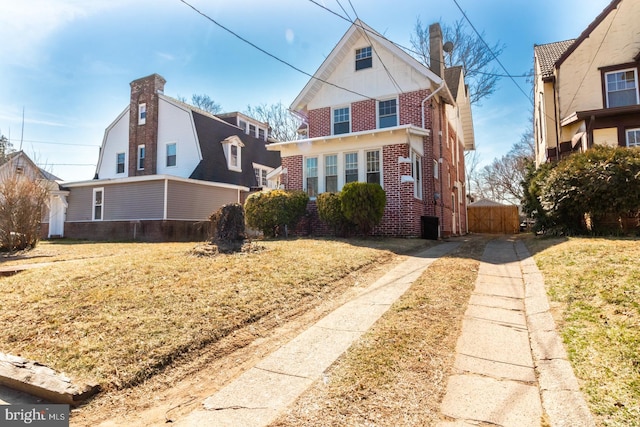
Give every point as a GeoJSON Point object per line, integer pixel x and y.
{"type": "Point", "coordinates": [493, 219]}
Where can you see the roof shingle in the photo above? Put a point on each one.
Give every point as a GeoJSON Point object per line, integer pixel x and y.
{"type": "Point", "coordinates": [548, 54]}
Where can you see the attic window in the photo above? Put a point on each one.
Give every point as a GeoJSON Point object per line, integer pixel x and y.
{"type": "Point", "coordinates": [363, 58]}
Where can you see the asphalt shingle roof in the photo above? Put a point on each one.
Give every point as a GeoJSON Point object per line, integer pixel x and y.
{"type": "Point", "coordinates": [548, 54]}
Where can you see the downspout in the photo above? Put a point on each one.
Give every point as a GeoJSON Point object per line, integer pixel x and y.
{"type": "Point", "coordinates": [429, 97]}
{"type": "Point", "coordinates": [441, 162]}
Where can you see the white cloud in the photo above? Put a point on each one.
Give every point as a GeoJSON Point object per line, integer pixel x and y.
{"type": "Point", "coordinates": [25, 25]}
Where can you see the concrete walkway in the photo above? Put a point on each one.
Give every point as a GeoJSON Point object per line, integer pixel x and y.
{"type": "Point", "coordinates": [260, 394]}
{"type": "Point", "coordinates": [511, 368]}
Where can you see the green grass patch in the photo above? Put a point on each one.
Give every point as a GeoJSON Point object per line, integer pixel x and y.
{"type": "Point", "coordinates": [596, 282]}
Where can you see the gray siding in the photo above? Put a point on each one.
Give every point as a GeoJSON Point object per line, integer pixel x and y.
{"type": "Point", "coordinates": [127, 201]}
{"type": "Point", "coordinates": [190, 201]}
{"type": "Point", "coordinates": [79, 204]}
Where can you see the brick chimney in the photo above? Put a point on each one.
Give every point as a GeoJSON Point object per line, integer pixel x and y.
{"type": "Point", "coordinates": [436, 54]}
{"type": "Point", "coordinates": [143, 123]}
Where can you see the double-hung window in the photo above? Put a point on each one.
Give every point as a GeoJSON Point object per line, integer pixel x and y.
{"type": "Point", "coordinates": [350, 167]}
{"type": "Point", "coordinates": [98, 203]}
{"type": "Point", "coordinates": [341, 120]}
{"type": "Point", "coordinates": [141, 155]}
{"type": "Point", "coordinates": [363, 58]}
{"type": "Point", "coordinates": [120, 163]}
{"type": "Point", "coordinates": [373, 167]}
{"type": "Point", "coordinates": [331, 173]}
{"type": "Point", "coordinates": [387, 113]}
{"type": "Point", "coordinates": [171, 155]}
{"type": "Point", "coordinates": [622, 88]}
{"type": "Point", "coordinates": [311, 174]}
{"type": "Point", "coordinates": [633, 137]}
{"type": "Point", "coordinates": [142, 114]}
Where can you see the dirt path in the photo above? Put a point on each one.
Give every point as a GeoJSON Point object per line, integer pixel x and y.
{"type": "Point", "coordinates": [182, 388]}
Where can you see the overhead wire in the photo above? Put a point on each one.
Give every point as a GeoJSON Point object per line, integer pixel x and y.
{"type": "Point", "coordinates": [288, 64]}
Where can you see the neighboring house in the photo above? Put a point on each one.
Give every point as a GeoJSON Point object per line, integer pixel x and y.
{"type": "Point", "coordinates": [164, 167]}
{"type": "Point", "coordinates": [53, 220]}
{"type": "Point", "coordinates": [586, 90]}
{"type": "Point", "coordinates": [375, 114]}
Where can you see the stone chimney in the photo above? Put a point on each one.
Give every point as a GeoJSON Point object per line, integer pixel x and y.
{"type": "Point", "coordinates": [143, 124]}
{"type": "Point", "coordinates": [436, 54]}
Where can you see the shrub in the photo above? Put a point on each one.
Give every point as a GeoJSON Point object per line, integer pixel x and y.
{"type": "Point", "coordinates": [363, 204]}
{"type": "Point", "coordinates": [23, 202]}
{"type": "Point", "coordinates": [269, 211]}
{"type": "Point", "coordinates": [602, 184]}
{"type": "Point", "coordinates": [227, 227]}
{"type": "Point", "coordinates": [330, 212]}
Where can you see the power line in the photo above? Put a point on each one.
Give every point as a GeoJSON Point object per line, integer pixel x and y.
{"type": "Point", "coordinates": [288, 64]}
{"type": "Point", "coordinates": [492, 53]}
{"type": "Point", "coordinates": [56, 143]}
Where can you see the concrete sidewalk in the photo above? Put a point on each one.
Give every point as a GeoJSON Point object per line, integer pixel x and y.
{"type": "Point", "coordinates": [259, 395]}
{"type": "Point", "coordinates": [511, 368]}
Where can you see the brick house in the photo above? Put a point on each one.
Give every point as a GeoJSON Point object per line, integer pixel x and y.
{"type": "Point", "coordinates": [164, 167]}
{"type": "Point", "coordinates": [586, 89]}
{"type": "Point", "coordinates": [375, 114]}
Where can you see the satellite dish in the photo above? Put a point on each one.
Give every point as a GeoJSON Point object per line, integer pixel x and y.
{"type": "Point", "coordinates": [448, 47]}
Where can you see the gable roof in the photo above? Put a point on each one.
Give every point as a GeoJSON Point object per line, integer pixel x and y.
{"type": "Point", "coordinates": [452, 78]}
{"type": "Point", "coordinates": [585, 34]}
{"type": "Point", "coordinates": [13, 158]}
{"type": "Point", "coordinates": [344, 48]}
{"type": "Point", "coordinates": [548, 54]}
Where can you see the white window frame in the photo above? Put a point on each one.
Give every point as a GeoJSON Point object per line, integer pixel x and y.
{"type": "Point", "coordinates": [357, 166]}
{"type": "Point", "coordinates": [142, 113]}
{"type": "Point", "coordinates": [366, 165]}
{"type": "Point", "coordinates": [142, 152]}
{"type": "Point", "coordinates": [606, 84]}
{"type": "Point", "coordinates": [316, 176]}
{"type": "Point", "coordinates": [361, 55]}
{"type": "Point", "coordinates": [118, 163]}
{"type": "Point", "coordinates": [416, 173]}
{"type": "Point", "coordinates": [378, 112]}
{"type": "Point", "coordinates": [175, 156]}
{"type": "Point", "coordinates": [94, 204]}
{"type": "Point", "coordinates": [337, 169]}
{"type": "Point", "coordinates": [333, 119]}
{"type": "Point", "coordinates": [637, 132]}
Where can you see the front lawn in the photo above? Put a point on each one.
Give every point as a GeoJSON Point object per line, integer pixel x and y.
{"type": "Point", "coordinates": [594, 284]}
{"type": "Point", "coordinates": [116, 313]}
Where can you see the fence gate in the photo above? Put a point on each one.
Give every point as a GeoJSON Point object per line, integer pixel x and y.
{"type": "Point", "coordinates": [493, 219]}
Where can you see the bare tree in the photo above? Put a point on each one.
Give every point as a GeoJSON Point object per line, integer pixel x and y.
{"type": "Point", "coordinates": [469, 51]}
{"type": "Point", "coordinates": [203, 102]}
{"type": "Point", "coordinates": [471, 163]}
{"type": "Point", "coordinates": [502, 179]}
{"type": "Point", "coordinates": [284, 125]}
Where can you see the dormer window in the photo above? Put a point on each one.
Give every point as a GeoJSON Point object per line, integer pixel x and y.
{"type": "Point", "coordinates": [363, 58]}
{"type": "Point", "coordinates": [622, 88]}
{"type": "Point", "coordinates": [142, 114]}
{"type": "Point", "coordinates": [232, 147]}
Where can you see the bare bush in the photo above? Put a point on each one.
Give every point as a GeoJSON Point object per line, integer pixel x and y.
{"type": "Point", "coordinates": [23, 202]}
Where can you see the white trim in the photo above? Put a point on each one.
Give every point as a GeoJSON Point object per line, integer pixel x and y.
{"type": "Point", "coordinates": [143, 178]}
{"type": "Point", "coordinates": [142, 108]}
{"type": "Point", "coordinates": [124, 162]}
{"type": "Point", "coordinates": [409, 129]}
{"type": "Point", "coordinates": [167, 145]}
{"type": "Point", "coordinates": [626, 136]}
{"type": "Point", "coordinates": [138, 157]}
{"type": "Point", "coordinates": [94, 204]}
{"type": "Point", "coordinates": [606, 85]}
{"type": "Point", "coordinates": [165, 207]}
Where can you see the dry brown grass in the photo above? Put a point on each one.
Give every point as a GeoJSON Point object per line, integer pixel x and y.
{"type": "Point", "coordinates": [594, 285]}
{"type": "Point", "coordinates": [397, 373]}
{"type": "Point", "coordinates": [116, 313]}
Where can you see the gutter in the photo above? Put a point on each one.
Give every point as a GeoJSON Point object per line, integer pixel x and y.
{"type": "Point", "coordinates": [442, 85]}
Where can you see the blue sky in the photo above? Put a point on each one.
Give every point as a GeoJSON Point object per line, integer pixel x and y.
{"type": "Point", "coordinates": [68, 63]}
